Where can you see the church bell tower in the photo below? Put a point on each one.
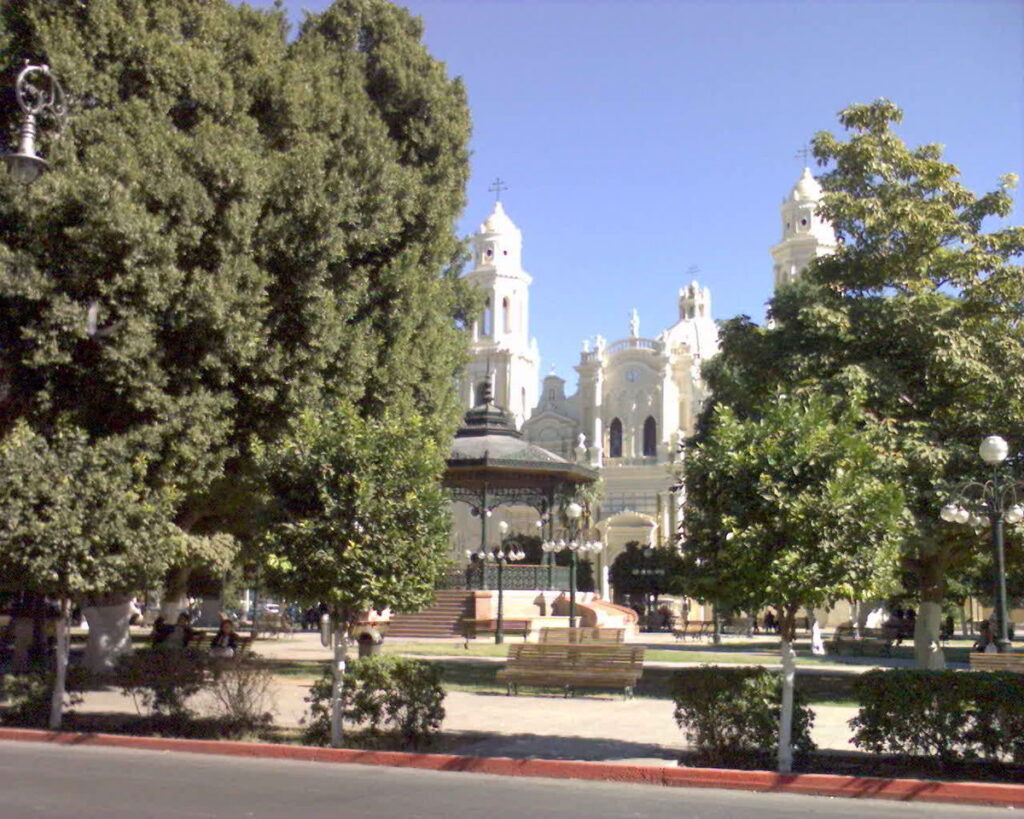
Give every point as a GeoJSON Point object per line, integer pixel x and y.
{"type": "Point", "coordinates": [805, 234]}
{"type": "Point", "coordinates": [500, 342]}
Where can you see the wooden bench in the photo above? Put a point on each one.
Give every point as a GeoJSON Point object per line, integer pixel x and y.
{"type": "Point", "coordinates": [981, 661]}
{"type": "Point", "coordinates": [273, 623]}
{"type": "Point", "coordinates": [587, 634]}
{"type": "Point", "coordinates": [471, 627]}
{"type": "Point", "coordinates": [692, 628]}
{"type": "Point", "coordinates": [876, 639]}
{"type": "Point", "coordinates": [571, 666]}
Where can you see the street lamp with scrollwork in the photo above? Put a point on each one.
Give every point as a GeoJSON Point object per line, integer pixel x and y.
{"type": "Point", "coordinates": [500, 557]}
{"type": "Point", "coordinates": [575, 545]}
{"type": "Point", "coordinates": [39, 96]}
{"type": "Point", "coordinates": [999, 500]}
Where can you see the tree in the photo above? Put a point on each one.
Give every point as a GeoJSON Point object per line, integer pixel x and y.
{"type": "Point", "coordinates": [919, 308]}
{"type": "Point", "coordinates": [644, 573]}
{"type": "Point", "coordinates": [792, 508]}
{"type": "Point", "coordinates": [237, 227]}
{"type": "Point", "coordinates": [79, 520]}
{"type": "Point", "coordinates": [363, 522]}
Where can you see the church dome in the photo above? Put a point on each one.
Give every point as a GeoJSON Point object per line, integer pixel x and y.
{"type": "Point", "coordinates": [806, 188]}
{"type": "Point", "coordinates": [695, 328]}
{"type": "Point", "coordinates": [498, 222]}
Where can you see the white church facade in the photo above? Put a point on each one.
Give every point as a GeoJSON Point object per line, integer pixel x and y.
{"type": "Point", "coordinates": [636, 398]}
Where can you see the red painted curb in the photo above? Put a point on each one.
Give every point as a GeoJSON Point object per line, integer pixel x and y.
{"type": "Point", "coordinates": [917, 790]}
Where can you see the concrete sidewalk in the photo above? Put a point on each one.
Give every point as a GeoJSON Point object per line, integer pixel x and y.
{"type": "Point", "coordinates": [590, 727]}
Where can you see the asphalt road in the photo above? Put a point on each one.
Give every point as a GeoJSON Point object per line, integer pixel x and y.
{"type": "Point", "coordinates": [52, 782]}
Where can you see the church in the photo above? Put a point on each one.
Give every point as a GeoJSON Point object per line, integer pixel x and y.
{"type": "Point", "coordinates": [636, 397]}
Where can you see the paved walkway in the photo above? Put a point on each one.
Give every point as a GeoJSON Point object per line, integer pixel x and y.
{"type": "Point", "coordinates": [590, 727]}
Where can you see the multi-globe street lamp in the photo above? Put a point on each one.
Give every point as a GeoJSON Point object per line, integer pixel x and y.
{"type": "Point", "coordinates": [39, 95]}
{"type": "Point", "coordinates": [576, 545]}
{"type": "Point", "coordinates": [503, 556]}
{"type": "Point", "coordinates": [500, 557]}
{"type": "Point", "coordinates": [999, 500]}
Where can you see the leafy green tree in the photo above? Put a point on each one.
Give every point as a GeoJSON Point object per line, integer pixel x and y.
{"type": "Point", "coordinates": [645, 572]}
{"type": "Point", "coordinates": [363, 523]}
{"type": "Point", "coordinates": [238, 226]}
{"type": "Point", "coordinates": [79, 520]}
{"type": "Point", "coordinates": [792, 508]}
{"type": "Point", "coordinates": [919, 309]}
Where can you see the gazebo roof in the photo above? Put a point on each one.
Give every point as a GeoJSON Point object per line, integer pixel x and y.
{"type": "Point", "coordinates": [489, 454]}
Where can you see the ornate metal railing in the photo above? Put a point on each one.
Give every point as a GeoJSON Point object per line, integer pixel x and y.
{"type": "Point", "coordinates": [514, 577]}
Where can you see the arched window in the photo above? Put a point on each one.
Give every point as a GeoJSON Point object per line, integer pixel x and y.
{"type": "Point", "coordinates": [488, 319]}
{"type": "Point", "coordinates": [650, 437]}
{"type": "Point", "coordinates": [506, 314]}
{"type": "Point", "coordinates": [615, 438]}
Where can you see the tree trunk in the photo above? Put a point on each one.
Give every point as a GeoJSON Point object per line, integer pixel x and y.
{"type": "Point", "coordinates": [60, 672]}
{"type": "Point", "coordinates": [339, 643]}
{"type": "Point", "coordinates": [175, 599]}
{"type": "Point", "coordinates": [788, 630]}
{"type": "Point", "coordinates": [109, 637]}
{"type": "Point", "coordinates": [928, 652]}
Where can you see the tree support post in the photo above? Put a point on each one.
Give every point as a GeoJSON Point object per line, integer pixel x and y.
{"type": "Point", "coordinates": [60, 672]}
{"type": "Point", "coordinates": [786, 713]}
{"type": "Point", "coordinates": [339, 644]}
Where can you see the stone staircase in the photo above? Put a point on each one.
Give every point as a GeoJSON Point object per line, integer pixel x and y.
{"type": "Point", "coordinates": [441, 619]}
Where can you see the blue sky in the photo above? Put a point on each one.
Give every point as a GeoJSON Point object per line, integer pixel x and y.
{"type": "Point", "coordinates": [641, 139]}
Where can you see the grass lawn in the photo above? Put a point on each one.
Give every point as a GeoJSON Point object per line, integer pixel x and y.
{"type": "Point", "coordinates": [474, 669]}
{"type": "Point", "coordinates": [751, 653]}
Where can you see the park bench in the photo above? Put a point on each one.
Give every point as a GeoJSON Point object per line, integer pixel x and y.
{"type": "Point", "coordinates": [692, 628]}
{"type": "Point", "coordinates": [586, 634]}
{"type": "Point", "coordinates": [273, 624]}
{"type": "Point", "coordinates": [981, 661]}
{"type": "Point", "coordinates": [872, 640]}
{"type": "Point", "coordinates": [474, 626]}
{"type": "Point", "coordinates": [571, 666]}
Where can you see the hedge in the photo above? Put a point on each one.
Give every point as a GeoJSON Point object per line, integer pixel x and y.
{"type": "Point", "coordinates": [952, 715]}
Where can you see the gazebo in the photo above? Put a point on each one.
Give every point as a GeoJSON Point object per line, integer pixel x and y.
{"type": "Point", "coordinates": [491, 465]}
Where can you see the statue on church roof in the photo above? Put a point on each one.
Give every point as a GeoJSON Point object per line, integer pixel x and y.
{"type": "Point", "coordinates": [634, 324]}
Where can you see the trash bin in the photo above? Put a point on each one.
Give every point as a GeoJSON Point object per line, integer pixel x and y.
{"type": "Point", "coordinates": [369, 643]}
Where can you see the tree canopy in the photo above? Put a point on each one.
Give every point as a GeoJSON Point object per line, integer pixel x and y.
{"type": "Point", "coordinates": [362, 522]}
{"type": "Point", "coordinates": [238, 226]}
{"type": "Point", "coordinates": [919, 310]}
{"type": "Point", "coordinates": [795, 507]}
{"type": "Point", "coordinates": [79, 519]}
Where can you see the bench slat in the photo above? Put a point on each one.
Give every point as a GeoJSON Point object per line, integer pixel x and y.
{"type": "Point", "coordinates": [980, 661]}
{"type": "Point", "coordinates": [572, 665]}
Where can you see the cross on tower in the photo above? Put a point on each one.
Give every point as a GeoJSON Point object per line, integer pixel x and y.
{"type": "Point", "coordinates": [803, 153]}
{"type": "Point", "coordinates": [497, 186]}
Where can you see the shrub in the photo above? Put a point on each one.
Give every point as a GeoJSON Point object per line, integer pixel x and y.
{"type": "Point", "coordinates": [162, 680]}
{"type": "Point", "coordinates": [381, 694]}
{"type": "Point", "coordinates": [729, 714]}
{"type": "Point", "coordinates": [242, 691]}
{"type": "Point", "coordinates": [26, 698]}
{"type": "Point", "coordinates": [950, 715]}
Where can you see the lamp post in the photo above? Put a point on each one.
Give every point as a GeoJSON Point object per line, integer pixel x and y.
{"type": "Point", "coordinates": [998, 499]}
{"type": "Point", "coordinates": [549, 559]}
{"type": "Point", "coordinates": [39, 95]}
{"type": "Point", "coordinates": [574, 544]}
{"type": "Point", "coordinates": [484, 512]}
{"type": "Point", "coordinates": [503, 556]}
